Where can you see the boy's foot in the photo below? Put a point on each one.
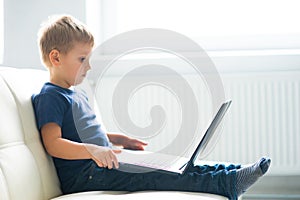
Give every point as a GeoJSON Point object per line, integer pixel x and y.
{"type": "Point", "coordinates": [247, 176]}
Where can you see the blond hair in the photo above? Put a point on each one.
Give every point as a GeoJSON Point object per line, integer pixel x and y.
{"type": "Point", "coordinates": [61, 33]}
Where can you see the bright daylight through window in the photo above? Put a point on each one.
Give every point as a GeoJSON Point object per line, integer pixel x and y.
{"type": "Point", "coordinates": [1, 31]}
{"type": "Point", "coordinates": [215, 24]}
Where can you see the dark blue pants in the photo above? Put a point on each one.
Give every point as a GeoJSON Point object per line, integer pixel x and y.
{"type": "Point", "coordinates": [218, 179]}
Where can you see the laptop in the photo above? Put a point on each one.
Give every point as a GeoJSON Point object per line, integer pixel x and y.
{"type": "Point", "coordinates": [146, 161]}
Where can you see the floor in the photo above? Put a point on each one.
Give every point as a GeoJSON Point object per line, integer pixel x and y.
{"type": "Point", "coordinates": [275, 187]}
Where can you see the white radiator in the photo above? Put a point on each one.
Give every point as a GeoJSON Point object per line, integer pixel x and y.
{"type": "Point", "coordinates": [264, 118]}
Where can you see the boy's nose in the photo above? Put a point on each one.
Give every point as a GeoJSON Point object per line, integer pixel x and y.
{"type": "Point", "coordinates": [87, 66]}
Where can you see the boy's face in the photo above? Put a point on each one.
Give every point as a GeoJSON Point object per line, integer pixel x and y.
{"type": "Point", "coordinates": [73, 65]}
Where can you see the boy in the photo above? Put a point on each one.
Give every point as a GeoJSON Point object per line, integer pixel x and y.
{"type": "Point", "coordinates": [87, 162]}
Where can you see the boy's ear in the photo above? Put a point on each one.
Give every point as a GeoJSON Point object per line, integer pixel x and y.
{"type": "Point", "coordinates": [54, 57]}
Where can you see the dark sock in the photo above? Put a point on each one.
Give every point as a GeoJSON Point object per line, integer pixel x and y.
{"type": "Point", "coordinates": [247, 176]}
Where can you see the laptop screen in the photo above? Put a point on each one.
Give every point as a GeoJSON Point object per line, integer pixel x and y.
{"type": "Point", "coordinates": [209, 132]}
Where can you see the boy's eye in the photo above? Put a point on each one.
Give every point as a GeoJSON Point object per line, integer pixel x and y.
{"type": "Point", "coordinates": [82, 59]}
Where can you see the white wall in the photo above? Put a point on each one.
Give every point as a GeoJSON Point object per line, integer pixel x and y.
{"type": "Point", "coordinates": [22, 20]}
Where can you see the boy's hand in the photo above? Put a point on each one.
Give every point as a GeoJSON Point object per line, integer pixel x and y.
{"type": "Point", "coordinates": [127, 142]}
{"type": "Point", "coordinates": [134, 144]}
{"type": "Point", "coordinates": [105, 156]}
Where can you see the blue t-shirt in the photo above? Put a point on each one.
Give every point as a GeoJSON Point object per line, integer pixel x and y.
{"type": "Point", "coordinates": [71, 111]}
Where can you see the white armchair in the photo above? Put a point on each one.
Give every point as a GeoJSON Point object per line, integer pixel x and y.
{"type": "Point", "coordinates": [26, 171]}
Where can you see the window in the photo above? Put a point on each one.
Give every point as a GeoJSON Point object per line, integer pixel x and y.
{"type": "Point", "coordinates": [214, 24]}
{"type": "Point", "coordinates": [1, 31]}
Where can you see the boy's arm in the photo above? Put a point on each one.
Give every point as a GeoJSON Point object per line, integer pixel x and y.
{"type": "Point", "coordinates": [120, 139]}
{"type": "Point", "coordinates": [59, 147]}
